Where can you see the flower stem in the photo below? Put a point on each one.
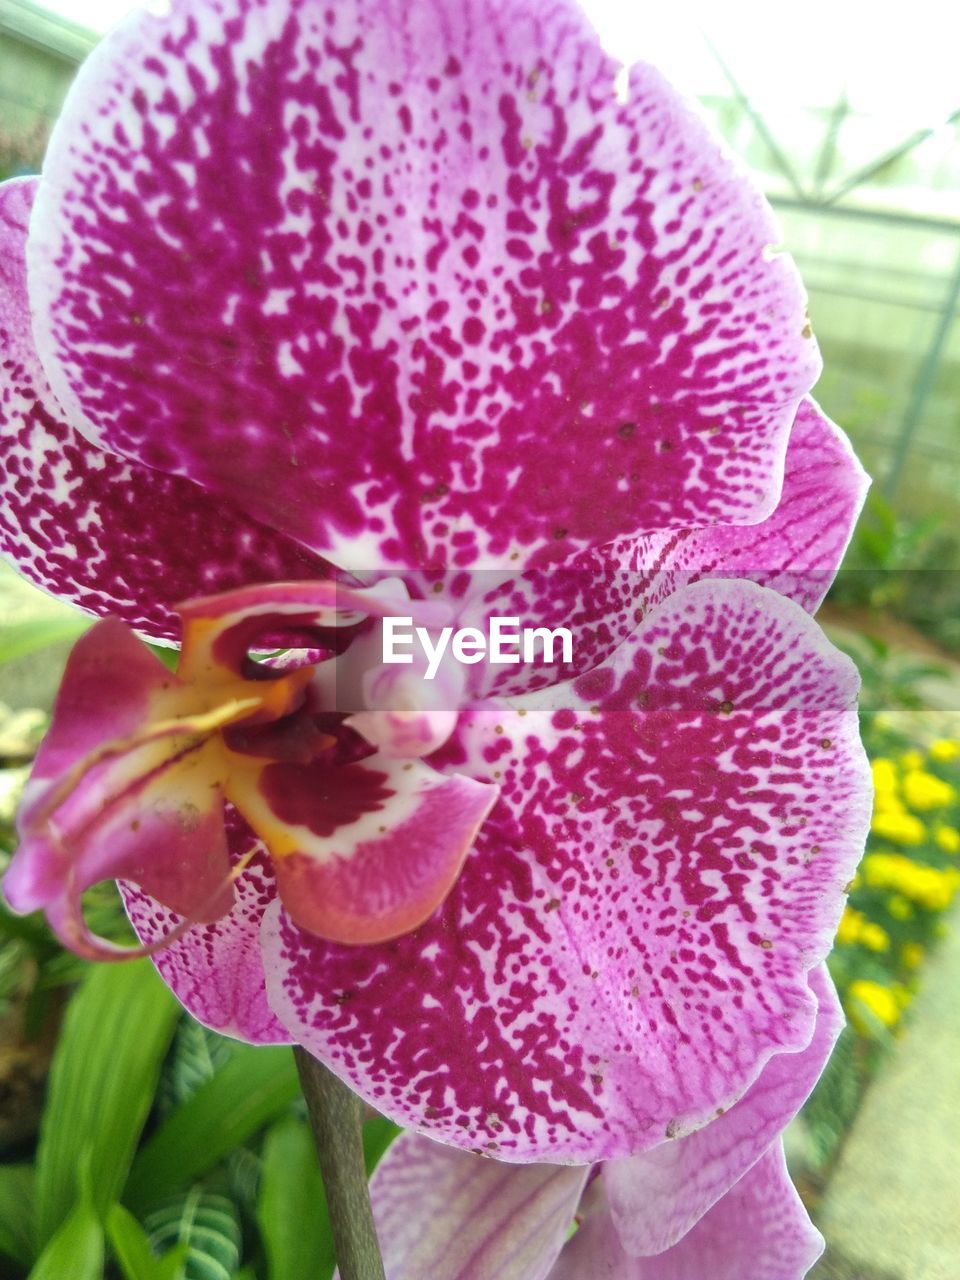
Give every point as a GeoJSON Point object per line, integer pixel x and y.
{"type": "Point", "coordinates": [335, 1119]}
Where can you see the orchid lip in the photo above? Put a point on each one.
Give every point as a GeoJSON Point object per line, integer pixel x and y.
{"type": "Point", "coordinates": [337, 808]}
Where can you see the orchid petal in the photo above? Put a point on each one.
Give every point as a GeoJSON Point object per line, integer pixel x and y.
{"type": "Point", "coordinates": [99, 532]}
{"type": "Point", "coordinates": [629, 941]}
{"type": "Point", "coordinates": [758, 1231]}
{"type": "Point", "coordinates": [451, 301]}
{"type": "Point", "coordinates": [602, 594]}
{"type": "Point", "coordinates": [443, 1214]}
{"type": "Point", "coordinates": [657, 1197]}
{"type": "Point", "coordinates": [117, 791]}
{"type": "Point", "coordinates": [216, 970]}
{"type": "Point", "coordinates": [797, 550]}
{"type": "Point", "coordinates": [365, 851]}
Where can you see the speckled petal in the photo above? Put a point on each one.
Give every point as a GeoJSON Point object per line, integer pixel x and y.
{"type": "Point", "coordinates": [216, 970]}
{"type": "Point", "coordinates": [443, 1214]}
{"type": "Point", "coordinates": [797, 549]}
{"type": "Point", "coordinates": [657, 1197]}
{"type": "Point", "coordinates": [410, 283]}
{"type": "Point", "coordinates": [602, 594]}
{"type": "Point", "coordinates": [629, 941]}
{"type": "Point", "coordinates": [92, 529]}
{"type": "Point", "coordinates": [758, 1231]}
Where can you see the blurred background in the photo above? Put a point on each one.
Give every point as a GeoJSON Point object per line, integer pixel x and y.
{"type": "Point", "coordinates": [849, 117]}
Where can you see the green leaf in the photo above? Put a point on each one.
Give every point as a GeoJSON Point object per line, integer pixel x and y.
{"type": "Point", "coordinates": [169, 657]}
{"type": "Point", "coordinates": [131, 1247]}
{"type": "Point", "coordinates": [208, 1225]}
{"type": "Point", "coordinates": [195, 1057]}
{"type": "Point", "coordinates": [32, 634]}
{"type": "Point", "coordinates": [292, 1210]}
{"type": "Point", "coordinates": [76, 1250]}
{"type": "Point", "coordinates": [102, 1081]}
{"type": "Point", "coordinates": [378, 1133]}
{"type": "Point", "coordinates": [255, 1086]}
{"type": "Point", "coordinates": [16, 1213]}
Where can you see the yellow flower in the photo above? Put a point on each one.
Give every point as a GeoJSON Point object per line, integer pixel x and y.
{"type": "Point", "coordinates": [884, 775]}
{"type": "Point", "coordinates": [854, 928]}
{"type": "Point", "coordinates": [879, 1000]}
{"type": "Point", "coordinates": [912, 760]}
{"type": "Point", "coordinates": [944, 750]}
{"type": "Point", "coordinates": [899, 907]}
{"type": "Point", "coordinates": [925, 791]}
{"type": "Point", "coordinates": [911, 953]}
{"type": "Point", "coordinates": [926, 886]}
{"type": "Point", "coordinates": [902, 828]}
{"type": "Point", "coordinates": [874, 938]}
{"type": "Point", "coordinates": [948, 838]}
{"type": "Point", "coordinates": [851, 923]}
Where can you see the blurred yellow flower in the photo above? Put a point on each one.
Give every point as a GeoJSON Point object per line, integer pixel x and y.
{"type": "Point", "coordinates": [926, 886]}
{"type": "Point", "coordinates": [899, 826]}
{"type": "Point", "coordinates": [874, 938]}
{"type": "Point", "coordinates": [944, 750]}
{"type": "Point", "coordinates": [948, 838]}
{"type": "Point", "coordinates": [926, 791]}
{"type": "Point", "coordinates": [911, 953]}
{"type": "Point", "coordinates": [881, 1001]}
{"type": "Point", "coordinates": [899, 907]}
{"type": "Point", "coordinates": [912, 760]}
{"type": "Point", "coordinates": [884, 775]}
{"type": "Point", "coordinates": [854, 928]}
{"type": "Point", "coordinates": [851, 923]}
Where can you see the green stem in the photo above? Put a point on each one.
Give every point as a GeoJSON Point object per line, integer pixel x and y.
{"type": "Point", "coordinates": [335, 1117]}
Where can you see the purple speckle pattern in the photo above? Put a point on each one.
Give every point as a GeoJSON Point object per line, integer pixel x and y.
{"type": "Point", "coordinates": [411, 284]}
{"type": "Point", "coordinates": [630, 939]}
{"type": "Point", "coordinates": [796, 550]}
{"type": "Point", "coordinates": [602, 594]}
{"type": "Point", "coordinates": [216, 969]}
{"type": "Point", "coordinates": [105, 534]}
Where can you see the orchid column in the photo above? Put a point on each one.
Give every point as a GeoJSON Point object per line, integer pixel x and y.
{"type": "Point", "coordinates": [320, 314]}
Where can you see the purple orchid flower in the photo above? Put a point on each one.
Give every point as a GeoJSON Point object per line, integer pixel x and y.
{"type": "Point", "coordinates": [312, 304]}
{"type": "Point", "coordinates": [716, 1203]}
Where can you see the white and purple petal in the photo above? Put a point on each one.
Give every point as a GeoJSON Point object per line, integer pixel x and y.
{"type": "Point", "coordinates": [450, 301]}
{"type": "Point", "coordinates": [758, 1231]}
{"type": "Point", "coordinates": [108, 535]}
{"type": "Point", "coordinates": [630, 940]}
{"type": "Point", "coordinates": [602, 594]}
{"type": "Point", "coordinates": [657, 1197]}
{"type": "Point", "coordinates": [216, 970]}
{"type": "Point", "coordinates": [443, 1214]}
{"type": "Point", "coordinates": [797, 550]}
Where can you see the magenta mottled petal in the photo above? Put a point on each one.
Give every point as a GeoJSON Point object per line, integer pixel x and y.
{"type": "Point", "coordinates": [797, 550]}
{"type": "Point", "coordinates": [656, 1198]}
{"type": "Point", "coordinates": [216, 970]}
{"type": "Point", "coordinates": [92, 529]}
{"type": "Point", "coordinates": [758, 1231]}
{"type": "Point", "coordinates": [450, 300]}
{"type": "Point", "coordinates": [603, 593]}
{"type": "Point", "coordinates": [630, 940]}
{"type": "Point", "coordinates": [443, 1214]}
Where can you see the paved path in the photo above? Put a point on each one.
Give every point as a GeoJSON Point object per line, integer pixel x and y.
{"type": "Point", "coordinates": [892, 1210]}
